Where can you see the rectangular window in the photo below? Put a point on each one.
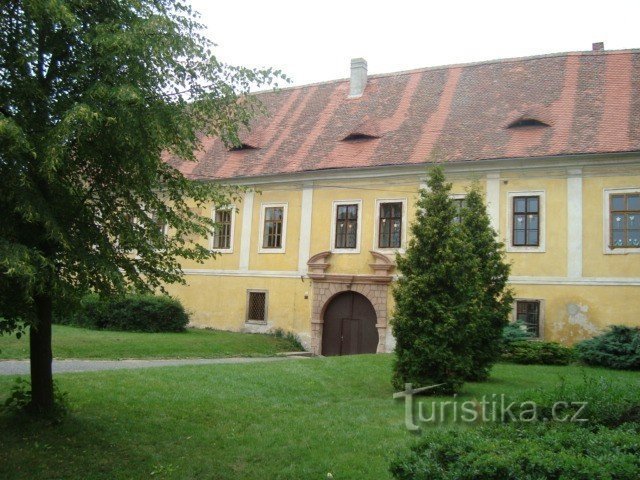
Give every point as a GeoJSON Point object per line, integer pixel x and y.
{"type": "Point", "coordinates": [459, 204]}
{"type": "Point", "coordinates": [222, 232]}
{"type": "Point", "coordinates": [346, 226]}
{"type": "Point", "coordinates": [528, 313]}
{"type": "Point", "coordinates": [526, 221]}
{"type": "Point", "coordinates": [256, 306]}
{"type": "Point", "coordinates": [624, 220]}
{"type": "Point", "coordinates": [160, 225]}
{"type": "Point", "coordinates": [390, 225]}
{"type": "Point", "coordinates": [273, 227]}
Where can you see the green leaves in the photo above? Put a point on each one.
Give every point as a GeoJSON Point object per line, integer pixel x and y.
{"type": "Point", "coordinates": [451, 300]}
{"type": "Point", "coordinates": [96, 99]}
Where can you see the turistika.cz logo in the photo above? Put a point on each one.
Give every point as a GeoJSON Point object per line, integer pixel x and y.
{"type": "Point", "coordinates": [489, 408]}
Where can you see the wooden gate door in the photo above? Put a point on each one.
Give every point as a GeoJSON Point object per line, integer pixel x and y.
{"type": "Point", "coordinates": [349, 326]}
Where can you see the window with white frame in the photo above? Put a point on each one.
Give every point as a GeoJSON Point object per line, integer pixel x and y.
{"type": "Point", "coordinates": [161, 225]}
{"type": "Point", "coordinates": [622, 220]}
{"type": "Point", "coordinates": [526, 221]}
{"type": "Point", "coordinates": [390, 224]}
{"type": "Point", "coordinates": [459, 203]}
{"type": "Point", "coordinates": [273, 227]}
{"type": "Point", "coordinates": [222, 236]}
{"type": "Point", "coordinates": [346, 226]}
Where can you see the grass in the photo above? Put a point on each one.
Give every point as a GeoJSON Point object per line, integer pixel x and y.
{"type": "Point", "coordinates": [288, 420]}
{"type": "Point", "coordinates": [72, 342]}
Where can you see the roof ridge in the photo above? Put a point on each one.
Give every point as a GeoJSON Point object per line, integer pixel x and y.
{"type": "Point", "coordinates": [464, 65]}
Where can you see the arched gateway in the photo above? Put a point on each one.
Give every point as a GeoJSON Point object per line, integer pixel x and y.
{"type": "Point", "coordinates": [349, 325]}
{"type": "Point", "coordinates": [352, 304]}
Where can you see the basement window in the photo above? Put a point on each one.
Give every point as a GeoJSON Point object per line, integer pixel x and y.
{"type": "Point", "coordinates": [256, 306]}
{"type": "Point", "coordinates": [528, 312]}
{"type": "Point", "coordinates": [527, 122]}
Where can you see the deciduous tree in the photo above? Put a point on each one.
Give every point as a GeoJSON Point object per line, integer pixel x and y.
{"type": "Point", "coordinates": [94, 94]}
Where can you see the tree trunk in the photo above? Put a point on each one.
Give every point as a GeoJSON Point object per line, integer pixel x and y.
{"type": "Point", "coordinates": [41, 356]}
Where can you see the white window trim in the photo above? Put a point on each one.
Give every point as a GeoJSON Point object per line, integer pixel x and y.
{"type": "Point", "coordinates": [266, 307]}
{"type": "Point", "coordinates": [231, 208]}
{"type": "Point", "coordinates": [263, 207]}
{"type": "Point", "coordinates": [333, 226]}
{"type": "Point", "coordinates": [376, 226]}
{"type": "Point", "coordinates": [514, 314]}
{"type": "Point", "coordinates": [541, 248]}
{"type": "Point", "coordinates": [606, 215]}
{"type": "Point", "coordinates": [457, 196]}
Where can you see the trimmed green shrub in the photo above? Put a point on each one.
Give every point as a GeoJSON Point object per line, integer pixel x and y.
{"type": "Point", "coordinates": [515, 332]}
{"type": "Point", "coordinates": [618, 348]}
{"type": "Point", "coordinates": [539, 353]}
{"type": "Point", "coordinates": [523, 452]}
{"type": "Point", "coordinates": [608, 403]}
{"type": "Point", "coordinates": [134, 312]}
{"type": "Point", "coordinates": [603, 446]}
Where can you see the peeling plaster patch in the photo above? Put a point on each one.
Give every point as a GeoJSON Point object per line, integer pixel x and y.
{"type": "Point", "coordinates": [257, 327]}
{"type": "Point", "coordinates": [578, 315]}
{"type": "Point", "coordinates": [305, 340]}
{"type": "Point", "coordinates": [390, 341]}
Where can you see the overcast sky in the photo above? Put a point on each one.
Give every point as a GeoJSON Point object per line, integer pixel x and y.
{"type": "Point", "coordinates": [314, 41]}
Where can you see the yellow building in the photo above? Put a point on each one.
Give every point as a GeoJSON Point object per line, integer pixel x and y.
{"type": "Point", "coordinates": [335, 169]}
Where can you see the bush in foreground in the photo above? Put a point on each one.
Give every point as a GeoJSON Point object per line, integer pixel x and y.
{"type": "Point", "coordinates": [604, 446]}
{"type": "Point", "coordinates": [618, 348]}
{"type": "Point", "coordinates": [539, 353]}
{"type": "Point", "coordinates": [523, 452]}
{"type": "Point", "coordinates": [134, 312]}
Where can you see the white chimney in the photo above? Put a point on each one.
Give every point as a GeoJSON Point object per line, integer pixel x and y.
{"type": "Point", "coordinates": [358, 77]}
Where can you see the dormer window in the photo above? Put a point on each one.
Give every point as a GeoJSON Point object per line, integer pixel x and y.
{"type": "Point", "coordinates": [353, 137]}
{"type": "Point", "coordinates": [527, 122]}
{"type": "Point", "coordinates": [242, 146]}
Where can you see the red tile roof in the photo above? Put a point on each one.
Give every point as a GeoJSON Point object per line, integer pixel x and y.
{"type": "Point", "coordinates": [590, 100]}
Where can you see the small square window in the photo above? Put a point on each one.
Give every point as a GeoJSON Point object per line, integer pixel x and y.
{"type": "Point", "coordinates": [256, 306]}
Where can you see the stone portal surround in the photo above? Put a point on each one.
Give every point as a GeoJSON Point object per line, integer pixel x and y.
{"type": "Point", "coordinates": [326, 285]}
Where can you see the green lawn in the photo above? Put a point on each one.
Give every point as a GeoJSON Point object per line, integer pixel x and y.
{"type": "Point", "coordinates": [287, 420]}
{"type": "Point", "coordinates": [71, 342]}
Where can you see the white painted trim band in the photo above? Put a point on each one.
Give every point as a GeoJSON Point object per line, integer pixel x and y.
{"type": "Point", "coordinates": [242, 273]}
{"type": "Point", "coordinates": [597, 281]}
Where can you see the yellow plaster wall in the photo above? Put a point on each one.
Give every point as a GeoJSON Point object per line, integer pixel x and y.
{"type": "Point", "coordinates": [576, 312]}
{"type": "Point", "coordinates": [220, 301]}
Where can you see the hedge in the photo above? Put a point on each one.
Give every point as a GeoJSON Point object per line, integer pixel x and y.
{"type": "Point", "coordinates": [536, 352]}
{"type": "Point", "coordinates": [605, 446]}
{"type": "Point", "coordinates": [618, 348]}
{"type": "Point", "coordinates": [134, 312]}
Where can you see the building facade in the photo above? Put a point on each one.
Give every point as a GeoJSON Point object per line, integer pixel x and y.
{"type": "Point", "coordinates": [334, 171]}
